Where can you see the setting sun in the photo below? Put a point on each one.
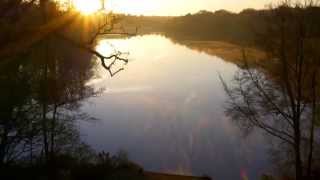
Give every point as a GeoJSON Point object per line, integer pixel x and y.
{"type": "Point", "coordinates": [87, 7]}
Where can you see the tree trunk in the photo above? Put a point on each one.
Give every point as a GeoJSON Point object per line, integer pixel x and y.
{"type": "Point", "coordinates": [298, 164]}
{"type": "Point", "coordinates": [313, 120]}
{"type": "Point", "coordinates": [4, 141]}
{"type": "Point", "coordinates": [3, 149]}
{"type": "Point", "coordinates": [43, 6]}
{"type": "Point", "coordinates": [53, 128]}
{"type": "Point", "coordinates": [45, 131]}
{"type": "Point", "coordinates": [297, 148]}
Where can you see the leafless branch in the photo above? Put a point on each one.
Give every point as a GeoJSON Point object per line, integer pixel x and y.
{"type": "Point", "coordinates": [114, 57]}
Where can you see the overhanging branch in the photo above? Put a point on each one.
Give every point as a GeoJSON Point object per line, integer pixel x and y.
{"type": "Point", "coordinates": [114, 57]}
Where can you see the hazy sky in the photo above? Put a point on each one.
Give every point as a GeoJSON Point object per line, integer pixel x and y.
{"type": "Point", "coordinates": [181, 7]}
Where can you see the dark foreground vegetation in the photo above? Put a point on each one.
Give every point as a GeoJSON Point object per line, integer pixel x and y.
{"type": "Point", "coordinates": [46, 52]}
{"type": "Point", "coordinates": [76, 166]}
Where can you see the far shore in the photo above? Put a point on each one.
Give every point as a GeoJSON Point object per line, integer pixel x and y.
{"type": "Point", "coordinates": [230, 52]}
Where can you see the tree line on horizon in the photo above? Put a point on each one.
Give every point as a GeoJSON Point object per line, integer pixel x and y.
{"type": "Point", "coordinates": [221, 25]}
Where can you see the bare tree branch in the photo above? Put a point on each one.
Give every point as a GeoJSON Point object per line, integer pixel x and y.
{"type": "Point", "coordinates": [114, 57]}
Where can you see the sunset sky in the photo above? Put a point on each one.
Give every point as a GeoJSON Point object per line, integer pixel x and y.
{"type": "Point", "coordinates": [181, 7]}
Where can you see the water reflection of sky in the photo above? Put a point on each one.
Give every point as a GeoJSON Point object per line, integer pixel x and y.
{"type": "Point", "coordinates": [166, 111]}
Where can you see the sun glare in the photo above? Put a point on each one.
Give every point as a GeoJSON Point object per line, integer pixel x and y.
{"type": "Point", "coordinates": [87, 6]}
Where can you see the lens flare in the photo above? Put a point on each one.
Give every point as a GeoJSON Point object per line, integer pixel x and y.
{"type": "Point", "coordinates": [87, 6]}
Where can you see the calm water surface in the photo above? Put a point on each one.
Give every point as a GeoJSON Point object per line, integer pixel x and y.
{"type": "Point", "coordinates": [167, 111]}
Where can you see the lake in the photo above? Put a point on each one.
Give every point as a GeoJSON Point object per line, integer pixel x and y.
{"type": "Point", "coordinates": [166, 110]}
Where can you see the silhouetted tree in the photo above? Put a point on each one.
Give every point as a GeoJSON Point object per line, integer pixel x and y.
{"type": "Point", "coordinates": [45, 53]}
{"type": "Point", "coordinates": [280, 95]}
